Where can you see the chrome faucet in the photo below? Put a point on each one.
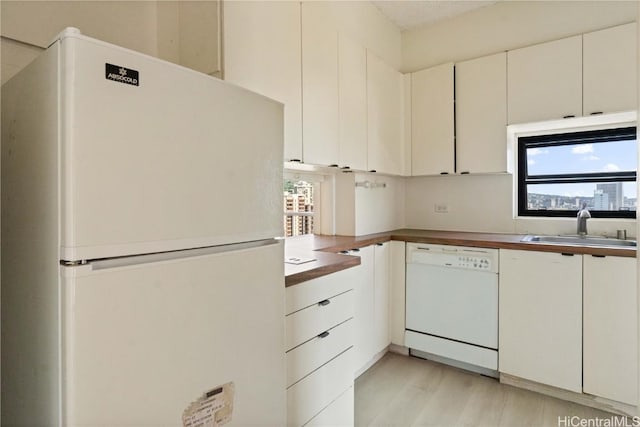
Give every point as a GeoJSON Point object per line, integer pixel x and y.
{"type": "Point", "coordinates": [583, 216]}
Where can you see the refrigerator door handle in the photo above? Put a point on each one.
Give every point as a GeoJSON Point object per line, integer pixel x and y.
{"type": "Point", "coordinates": [174, 255]}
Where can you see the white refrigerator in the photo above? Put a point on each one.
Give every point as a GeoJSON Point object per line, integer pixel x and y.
{"type": "Point", "coordinates": [142, 284]}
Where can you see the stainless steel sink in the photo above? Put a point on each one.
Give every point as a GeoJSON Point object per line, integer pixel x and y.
{"type": "Point", "coordinates": [576, 240]}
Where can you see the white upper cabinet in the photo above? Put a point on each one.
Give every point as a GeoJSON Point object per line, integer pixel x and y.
{"type": "Point", "coordinates": [262, 54]}
{"type": "Point", "coordinates": [545, 81]}
{"type": "Point", "coordinates": [481, 114]}
{"type": "Point", "coordinates": [610, 328]}
{"type": "Point", "coordinates": [610, 70]}
{"type": "Point", "coordinates": [352, 82]}
{"type": "Point", "coordinates": [319, 84]}
{"type": "Point", "coordinates": [432, 121]}
{"type": "Point", "coordinates": [385, 119]}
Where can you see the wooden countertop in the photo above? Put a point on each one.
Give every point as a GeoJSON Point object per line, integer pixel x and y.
{"type": "Point", "coordinates": [323, 263]}
{"type": "Point", "coordinates": [324, 248]}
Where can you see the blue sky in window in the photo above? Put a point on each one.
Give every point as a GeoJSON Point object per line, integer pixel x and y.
{"type": "Point", "coordinates": [582, 158]}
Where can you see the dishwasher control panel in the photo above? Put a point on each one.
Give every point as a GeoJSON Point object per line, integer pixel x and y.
{"type": "Point", "coordinates": [462, 257]}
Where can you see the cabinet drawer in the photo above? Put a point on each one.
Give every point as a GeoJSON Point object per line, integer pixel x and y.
{"type": "Point", "coordinates": [308, 397]}
{"type": "Point", "coordinates": [339, 413]}
{"type": "Point", "coordinates": [307, 323]}
{"type": "Point", "coordinates": [307, 293]}
{"type": "Point", "coordinates": [311, 355]}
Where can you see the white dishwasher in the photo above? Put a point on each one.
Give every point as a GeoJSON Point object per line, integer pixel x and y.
{"type": "Point", "coordinates": [452, 305]}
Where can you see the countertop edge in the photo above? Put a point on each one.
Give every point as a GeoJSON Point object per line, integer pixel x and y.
{"type": "Point", "coordinates": [314, 273]}
{"type": "Point", "coordinates": [335, 244]}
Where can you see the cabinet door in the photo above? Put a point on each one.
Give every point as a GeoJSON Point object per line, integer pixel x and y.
{"type": "Point", "coordinates": [397, 292]}
{"type": "Point", "coordinates": [385, 121]}
{"type": "Point", "coordinates": [481, 114]}
{"type": "Point", "coordinates": [610, 328]}
{"type": "Point", "coordinates": [363, 309]}
{"type": "Point", "coordinates": [262, 54]}
{"type": "Point", "coordinates": [352, 74]}
{"type": "Point", "coordinates": [609, 70]}
{"type": "Point", "coordinates": [432, 143]}
{"type": "Point", "coordinates": [382, 301]}
{"type": "Point", "coordinates": [540, 330]}
{"type": "Point", "coordinates": [339, 413]}
{"type": "Point", "coordinates": [319, 84]}
{"type": "Point", "coordinates": [545, 81]}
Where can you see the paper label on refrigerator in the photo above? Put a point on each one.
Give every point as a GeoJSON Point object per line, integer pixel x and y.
{"type": "Point", "coordinates": [213, 409]}
{"type": "Point", "coordinates": [121, 74]}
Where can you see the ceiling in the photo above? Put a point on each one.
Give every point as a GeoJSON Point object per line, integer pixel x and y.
{"type": "Point", "coordinates": [410, 14]}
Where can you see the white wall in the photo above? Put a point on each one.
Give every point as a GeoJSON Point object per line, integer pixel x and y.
{"type": "Point", "coordinates": [508, 25]}
{"type": "Point", "coordinates": [130, 23]}
{"type": "Point", "coordinates": [29, 26]}
{"type": "Point", "coordinates": [180, 32]}
{"type": "Point", "coordinates": [360, 210]}
{"type": "Point", "coordinates": [484, 203]}
{"type": "Point", "coordinates": [366, 25]}
{"type": "Point", "coordinates": [379, 209]}
{"type": "Point", "coordinates": [474, 202]}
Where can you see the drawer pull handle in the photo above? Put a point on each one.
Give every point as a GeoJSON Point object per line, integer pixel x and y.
{"type": "Point", "coordinates": [324, 302]}
{"type": "Point", "coordinates": [324, 334]}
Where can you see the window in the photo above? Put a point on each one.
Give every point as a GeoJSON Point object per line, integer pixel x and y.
{"type": "Point", "coordinates": [559, 173]}
{"type": "Point", "coordinates": [298, 207]}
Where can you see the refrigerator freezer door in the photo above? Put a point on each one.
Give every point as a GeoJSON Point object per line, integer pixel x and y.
{"type": "Point", "coordinates": [142, 342]}
{"type": "Point", "coordinates": [157, 157]}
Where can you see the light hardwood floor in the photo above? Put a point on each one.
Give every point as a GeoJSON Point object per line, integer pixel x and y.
{"type": "Point", "coordinates": [408, 391]}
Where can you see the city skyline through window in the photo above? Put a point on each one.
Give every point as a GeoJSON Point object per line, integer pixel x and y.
{"type": "Point", "coordinates": [582, 158]}
{"type": "Point", "coordinates": [559, 173]}
{"type": "Point", "coordinates": [298, 207]}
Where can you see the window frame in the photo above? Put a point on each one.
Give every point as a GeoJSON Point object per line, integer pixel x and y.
{"type": "Point", "coordinates": [575, 137]}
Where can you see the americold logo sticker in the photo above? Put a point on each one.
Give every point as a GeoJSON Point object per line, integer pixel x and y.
{"type": "Point", "coordinates": [121, 74]}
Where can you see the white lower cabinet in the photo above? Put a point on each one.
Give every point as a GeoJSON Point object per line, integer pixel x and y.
{"type": "Point", "coordinates": [319, 349]}
{"type": "Point", "coordinates": [339, 413]}
{"type": "Point", "coordinates": [372, 305]}
{"type": "Point", "coordinates": [315, 353]}
{"type": "Point", "coordinates": [397, 292]}
{"type": "Point", "coordinates": [308, 397]}
{"type": "Point", "coordinates": [570, 322]}
{"type": "Point", "coordinates": [305, 324]}
{"type": "Point", "coordinates": [540, 330]}
{"type": "Point", "coordinates": [381, 297]}
{"type": "Point", "coordinates": [364, 294]}
{"type": "Point", "coordinates": [610, 328]}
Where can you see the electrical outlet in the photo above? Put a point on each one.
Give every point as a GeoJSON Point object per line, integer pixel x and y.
{"type": "Point", "coordinates": [440, 208]}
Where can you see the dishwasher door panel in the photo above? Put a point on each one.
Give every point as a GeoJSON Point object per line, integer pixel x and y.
{"type": "Point", "coordinates": [453, 303]}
